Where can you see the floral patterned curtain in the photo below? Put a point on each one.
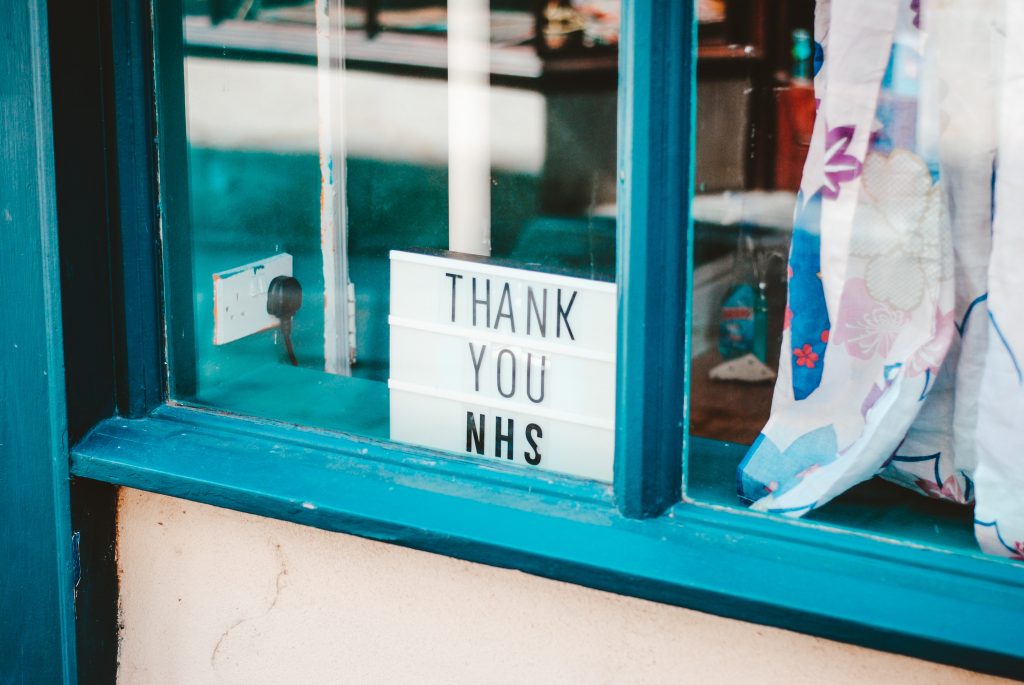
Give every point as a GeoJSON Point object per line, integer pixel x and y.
{"type": "Point", "coordinates": [904, 326]}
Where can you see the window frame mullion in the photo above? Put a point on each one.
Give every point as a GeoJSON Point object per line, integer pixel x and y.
{"type": "Point", "coordinates": [656, 104]}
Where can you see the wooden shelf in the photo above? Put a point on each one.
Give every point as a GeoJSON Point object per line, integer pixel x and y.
{"type": "Point", "coordinates": [393, 52]}
{"type": "Point", "coordinates": [419, 54]}
{"type": "Point", "coordinates": [729, 52]}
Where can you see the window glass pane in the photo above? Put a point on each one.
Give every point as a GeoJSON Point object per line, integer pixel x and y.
{"type": "Point", "coordinates": [437, 180]}
{"type": "Point", "coordinates": [823, 349]}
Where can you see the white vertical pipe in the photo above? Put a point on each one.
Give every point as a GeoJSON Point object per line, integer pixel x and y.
{"type": "Point", "coordinates": [333, 227]}
{"type": "Point", "coordinates": [469, 153]}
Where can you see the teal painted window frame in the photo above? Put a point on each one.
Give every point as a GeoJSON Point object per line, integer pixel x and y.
{"type": "Point", "coordinates": [638, 537]}
{"type": "Point", "coordinates": [37, 619]}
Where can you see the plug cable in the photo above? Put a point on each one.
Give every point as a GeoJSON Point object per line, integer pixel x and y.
{"type": "Point", "coordinates": [284, 298]}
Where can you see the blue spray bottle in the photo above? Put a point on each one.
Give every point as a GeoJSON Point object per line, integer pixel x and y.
{"type": "Point", "coordinates": [736, 322]}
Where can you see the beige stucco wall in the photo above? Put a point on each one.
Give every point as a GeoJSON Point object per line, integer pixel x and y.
{"type": "Point", "coordinates": [213, 596]}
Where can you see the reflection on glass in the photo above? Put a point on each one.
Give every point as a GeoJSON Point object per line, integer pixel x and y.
{"type": "Point", "coordinates": [744, 194]}
{"type": "Point", "coordinates": [322, 135]}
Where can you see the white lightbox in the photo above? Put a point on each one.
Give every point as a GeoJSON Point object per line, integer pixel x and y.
{"type": "Point", "coordinates": [503, 363]}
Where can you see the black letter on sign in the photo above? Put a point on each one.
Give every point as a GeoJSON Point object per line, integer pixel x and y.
{"type": "Point", "coordinates": [472, 436]}
{"type": "Point", "coordinates": [533, 459]}
{"type": "Point", "coordinates": [505, 309]}
{"type": "Point", "coordinates": [478, 362]}
{"type": "Point", "coordinates": [563, 315]}
{"type": "Point", "coordinates": [529, 371]}
{"type": "Point", "coordinates": [486, 302]}
{"type": "Point", "coordinates": [500, 437]}
{"type": "Point", "coordinates": [453, 277]}
{"type": "Point", "coordinates": [501, 390]}
{"type": "Point", "coordinates": [541, 314]}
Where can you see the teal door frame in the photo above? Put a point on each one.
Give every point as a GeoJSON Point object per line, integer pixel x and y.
{"type": "Point", "coordinates": [37, 621]}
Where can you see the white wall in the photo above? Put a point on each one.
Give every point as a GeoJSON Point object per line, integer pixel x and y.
{"type": "Point", "coordinates": [213, 596]}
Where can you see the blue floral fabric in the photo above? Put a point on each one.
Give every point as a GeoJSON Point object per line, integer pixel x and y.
{"type": "Point", "coordinates": [806, 313]}
{"type": "Point", "coordinates": [903, 339]}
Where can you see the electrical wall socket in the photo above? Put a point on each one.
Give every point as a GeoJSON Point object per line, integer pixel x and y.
{"type": "Point", "coordinates": [240, 298]}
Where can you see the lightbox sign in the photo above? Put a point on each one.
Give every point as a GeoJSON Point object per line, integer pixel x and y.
{"type": "Point", "coordinates": [503, 363]}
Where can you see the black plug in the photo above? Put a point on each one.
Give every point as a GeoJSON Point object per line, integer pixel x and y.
{"type": "Point", "coordinates": [284, 298]}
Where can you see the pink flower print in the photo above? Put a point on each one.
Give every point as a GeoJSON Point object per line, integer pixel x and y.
{"type": "Point", "coordinates": [824, 336]}
{"type": "Point", "coordinates": [866, 326]}
{"type": "Point", "coordinates": [840, 166]}
{"type": "Point", "coordinates": [805, 356]}
{"type": "Point", "coordinates": [949, 490]}
{"type": "Point", "coordinates": [874, 333]}
{"type": "Point", "coordinates": [1018, 551]}
{"type": "Point", "coordinates": [787, 319]}
{"type": "Point", "coordinates": [929, 356]}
